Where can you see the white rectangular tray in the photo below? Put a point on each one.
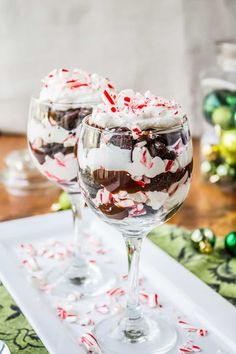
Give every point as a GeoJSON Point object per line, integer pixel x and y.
{"type": "Point", "coordinates": [177, 286]}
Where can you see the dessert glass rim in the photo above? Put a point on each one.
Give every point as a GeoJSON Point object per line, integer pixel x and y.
{"type": "Point", "coordinates": [112, 131]}
{"type": "Point", "coordinates": [65, 104]}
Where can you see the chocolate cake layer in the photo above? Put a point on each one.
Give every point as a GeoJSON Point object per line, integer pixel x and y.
{"type": "Point", "coordinates": [69, 119]}
{"type": "Point", "coordinates": [50, 150]}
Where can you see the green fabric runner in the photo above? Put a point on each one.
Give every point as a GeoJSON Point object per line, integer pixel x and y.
{"type": "Point", "coordinates": [15, 329]}
{"type": "Point", "coordinates": [218, 270]}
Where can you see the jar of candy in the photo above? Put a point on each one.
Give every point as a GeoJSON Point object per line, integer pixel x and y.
{"type": "Point", "coordinates": [218, 143]}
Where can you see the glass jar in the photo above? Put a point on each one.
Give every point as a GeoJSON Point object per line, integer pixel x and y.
{"type": "Point", "coordinates": [218, 143]}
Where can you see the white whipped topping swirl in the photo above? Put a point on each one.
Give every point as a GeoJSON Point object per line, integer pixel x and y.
{"type": "Point", "coordinates": [134, 110]}
{"type": "Point", "coordinates": [73, 86]}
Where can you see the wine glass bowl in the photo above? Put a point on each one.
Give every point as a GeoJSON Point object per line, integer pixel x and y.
{"type": "Point", "coordinates": [135, 181]}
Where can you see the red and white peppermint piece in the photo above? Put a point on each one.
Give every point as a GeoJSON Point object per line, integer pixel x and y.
{"type": "Point", "coordinates": [125, 203]}
{"type": "Point", "coordinates": [101, 251]}
{"type": "Point", "coordinates": [153, 300]}
{"type": "Point", "coordinates": [189, 349]}
{"type": "Point", "coordinates": [109, 99]}
{"type": "Point", "coordinates": [47, 288]}
{"type": "Point", "coordinates": [92, 261]}
{"type": "Point", "coordinates": [146, 158]}
{"type": "Point", "coordinates": [103, 309]}
{"type": "Point", "coordinates": [90, 343]}
{"type": "Point", "coordinates": [29, 249]}
{"type": "Point", "coordinates": [189, 328]}
{"type": "Point", "coordinates": [103, 197]}
{"type": "Point", "coordinates": [143, 296]}
{"type": "Point", "coordinates": [48, 254]}
{"type": "Point", "coordinates": [86, 321]}
{"type": "Point", "coordinates": [59, 162]}
{"type": "Point", "coordinates": [141, 183]}
{"type": "Point", "coordinates": [73, 297]}
{"type": "Point", "coordinates": [117, 308]}
{"type": "Point", "coordinates": [136, 133]}
{"type": "Point", "coordinates": [116, 292]}
{"type": "Point", "coordinates": [137, 210]}
{"type": "Point", "coordinates": [202, 332]}
{"type": "Point", "coordinates": [169, 165]}
{"type": "Point", "coordinates": [64, 314]}
{"type": "Point", "coordinates": [32, 264]}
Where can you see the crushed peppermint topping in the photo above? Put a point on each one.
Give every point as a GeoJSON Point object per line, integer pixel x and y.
{"type": "Point", "coordinates": [135, 111]}
{"type": "Point", "coordinates": [73, 86]}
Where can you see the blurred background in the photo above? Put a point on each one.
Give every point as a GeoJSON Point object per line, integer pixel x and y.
{"type": "Point", "coordinates": [159, 45]}
{"type": "Point", "coordinates": [166, 46]}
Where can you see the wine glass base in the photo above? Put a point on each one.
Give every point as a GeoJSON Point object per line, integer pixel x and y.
{"type": "Point", "coordinates": [90, 280]}
{"type": "Point", "coordinates": [161, 337]}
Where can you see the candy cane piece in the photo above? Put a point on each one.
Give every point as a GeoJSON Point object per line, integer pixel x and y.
{"type": "Point", "coordinates": [115, 291]}
{"type": "Point", "coordinates": [103, 309]}
{"type": "Point", "coordinates": [90, 343]}
{"type": "Point", "coordinates": [153, 300]}
{"type": "Point", "coordinates": [29, 248]}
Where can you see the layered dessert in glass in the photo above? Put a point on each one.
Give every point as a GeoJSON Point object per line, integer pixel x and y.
{"type": "Point", "coordinates": [142, 165]}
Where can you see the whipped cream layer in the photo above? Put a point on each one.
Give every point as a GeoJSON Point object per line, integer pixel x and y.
{"type": "Point", "coordinates": [63, 86]}
{"type": "Point", "coordinates": [132, 110]}
{"type": "Point", "coordinates": [43, 138]}
{"type": "Point", "coordinates": [112, 158]}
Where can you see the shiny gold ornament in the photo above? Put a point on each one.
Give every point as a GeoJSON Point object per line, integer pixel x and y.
{"type": "Point", "coordinates": [228, 146]}
{"type": "Point", "coordinates": [210, 152]}
{"type": "Point", "coordinates": [203, 240]}
{"type": "Point", "coordinates": [205, 247]}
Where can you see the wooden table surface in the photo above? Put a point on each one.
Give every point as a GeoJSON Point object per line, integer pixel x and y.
{"type": "Point", "coordinates": [206, 205]}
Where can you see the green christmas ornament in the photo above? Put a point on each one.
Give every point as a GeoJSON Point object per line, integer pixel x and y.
{"type": "Point", "coordinates": [226, 97]}
{"type": "Point", "coordinates": [209, 236]}
{"type": "Point", "coordinates": [64, 201]}
{"type": "Point", "coordinates": [231, 99]}
{"type": "Point", "coordinates": [223, 117]}
{"type": "Point", "coordinates": [230, 243]}
{"type": "Point", "coordinates": [228, 146]}
{"type": "Point", "coordinates": [196, 238]}
{"type": "Point", "coordinates": [210, 103]}
{"type": "Point", "coordinates": [203, 240]}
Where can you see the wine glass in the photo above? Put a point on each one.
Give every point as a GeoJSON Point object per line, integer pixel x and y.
{"type": "Point", "coordinates": [53, 132]}
{"type": "Point", "coordinates": [135, 182]}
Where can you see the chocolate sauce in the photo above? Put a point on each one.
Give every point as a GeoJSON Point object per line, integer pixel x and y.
{"type": "Point", "coordinates": [114, 212]}
{"type": "Point", "coordinates": [115, 181]}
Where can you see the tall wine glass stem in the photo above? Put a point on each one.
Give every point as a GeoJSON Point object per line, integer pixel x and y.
{"type": "Point", "coordinates": [79, 240]}
{"type": "Point", "coordinates": [135, 327]}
